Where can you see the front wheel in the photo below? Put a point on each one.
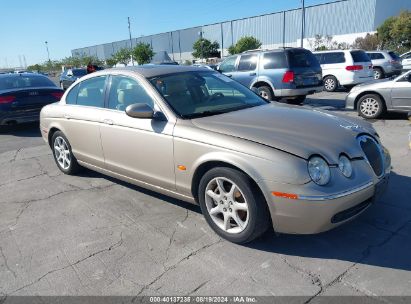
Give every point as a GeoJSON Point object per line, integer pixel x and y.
{"type": "Point", "coordinates": [65, 160]}
{"type": "Point", "coordinates": [232, 205]}
{"type": "Point", "coordinates": [370, 106]}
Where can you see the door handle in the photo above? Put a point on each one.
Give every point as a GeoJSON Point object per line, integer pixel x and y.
{"type": "Point", "coordinates": [66, 116]}
{"type": "Point", "coordinates": [229, 75]}
{"type": "Point", "coordinates": [108, 121]}
{"type": "Point", "coordinates": [253, 74]}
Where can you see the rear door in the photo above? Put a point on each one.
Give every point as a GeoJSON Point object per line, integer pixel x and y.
{"type": "Point", "coordinates": [246, 71]}
{"type": "Point", "coordinates": [82, 119]}
{"type": "Point", "coordinates": [306, 68]}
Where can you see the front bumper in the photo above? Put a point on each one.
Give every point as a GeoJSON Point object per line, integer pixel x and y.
{"type": "Point", "coordinates": [318, 213]}
{"type": "Point", "coordinates": [350, 100]}
{"type": "Point", "coordinates": [297, 92]}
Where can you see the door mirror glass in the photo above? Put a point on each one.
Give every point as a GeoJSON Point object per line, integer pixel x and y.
{"type": "Point", "coordinates": [140, 110]}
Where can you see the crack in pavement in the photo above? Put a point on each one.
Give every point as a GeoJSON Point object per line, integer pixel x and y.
{"type": "Point", "coordinates": [365, 254]}
{"type": "Point", "coordinates": [197, 288]}
{"type": "Point", "coordinates": [172, 238]}
{"type": "Point", "coordinates": [6, 263]}
{"type": "Point", "coordinates": [167, 269]}
{"type": "Point", "coordinates": [111, 247]}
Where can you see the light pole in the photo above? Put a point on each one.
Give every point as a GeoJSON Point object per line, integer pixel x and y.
{"type": "Point", "coordinates": [131, 41]}
{"type": "Point", "coordinates": [47, 48]}
{"type": "Point", "coordinates": [201, 44]}
{"type": "Point", "coordinates": [302, 23]}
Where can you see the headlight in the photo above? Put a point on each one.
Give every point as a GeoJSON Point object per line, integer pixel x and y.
{"type": "Point", "coordinates": [319, 170]}
{"type": "Point", "coordinates": [344, 164]}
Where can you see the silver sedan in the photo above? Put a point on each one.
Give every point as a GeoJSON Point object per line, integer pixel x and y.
{"type": "Point", "coordinates": [373, 99]}
{"type": "Point", "coordinates": [197, 135]}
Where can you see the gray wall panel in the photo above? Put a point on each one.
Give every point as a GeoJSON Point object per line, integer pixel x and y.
{"type": "Point", "coordinates": [385, 9]}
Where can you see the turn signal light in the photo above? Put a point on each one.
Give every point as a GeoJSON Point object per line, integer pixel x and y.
{"type": "Point", "coordinates": [7, 99]}
{"type": "Point", "coordinates": [182, 168]}
{"type": "Point", "coordinates": [285, 195]}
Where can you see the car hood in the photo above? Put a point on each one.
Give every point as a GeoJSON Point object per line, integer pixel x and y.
{"type": "Point", "coordinates": [375, 83]}
{"type": "Point", "coordinates": [296, 130]}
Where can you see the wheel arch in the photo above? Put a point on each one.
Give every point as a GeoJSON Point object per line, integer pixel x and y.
{"type": "Point", "coordinates": [52, 130]}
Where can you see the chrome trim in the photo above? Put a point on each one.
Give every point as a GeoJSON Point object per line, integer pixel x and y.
{"type": "Point", "coordinates": [335, 196]}
{"type": "Point", "coordinates": [364, 136]}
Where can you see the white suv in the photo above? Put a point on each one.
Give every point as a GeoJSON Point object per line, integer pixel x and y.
{"type": "Point", "coordinates": [344, 68]}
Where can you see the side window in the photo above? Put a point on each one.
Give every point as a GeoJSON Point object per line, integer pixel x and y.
{"type": "Point", "coordinates": [332, 58]}
{"type": "Point", "coordinates": [126, 91]}
{"type": "Point", "coordinates": [248, 62]}
{"type": "Point", "coordinates": [71, 97]}
{"type": "Point", "coordinates": [91, 92]}
{"type": "Point", "coordinates": [228, 65]}
{"type": "Point", "coordinates": [274, 60]}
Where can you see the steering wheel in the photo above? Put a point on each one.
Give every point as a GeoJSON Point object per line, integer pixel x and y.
{"type": "Point", "coordinates": [216, 96]}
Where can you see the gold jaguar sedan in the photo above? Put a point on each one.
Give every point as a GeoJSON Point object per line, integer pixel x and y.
{"type": "Point", "coordinates": [199, 136]}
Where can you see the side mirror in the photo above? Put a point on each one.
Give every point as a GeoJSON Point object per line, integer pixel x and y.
{"type": "Point", "coordinates": [140, 110]}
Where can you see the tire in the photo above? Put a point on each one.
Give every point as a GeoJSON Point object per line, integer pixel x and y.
{"type": "Point", "coordinates": [371, 106]}
{"type": "Point", "coordinates": [266, 93]}
{"type": "Point", "coordinates": [68, 165]}
{"type": "Point", "coordinates": [252, 217]}
{"type": "Point", "coordinates": [330, 83]}
{"type": "Point", "coordinates": [378, 73]}
{"type": "Point", "coordinates": [299, 100]}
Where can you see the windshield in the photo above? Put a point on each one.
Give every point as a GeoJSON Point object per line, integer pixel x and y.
{"type": "Point", "coordinates": [199, 94]}
{"type": "Point", "coordinates": [24, 81]}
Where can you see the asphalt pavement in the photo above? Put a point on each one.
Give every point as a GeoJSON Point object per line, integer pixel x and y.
{"type": "Point", "coordinates": [94, 235]}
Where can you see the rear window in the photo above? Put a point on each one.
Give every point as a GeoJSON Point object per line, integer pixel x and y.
{"type": "Point", "coordinates": [274, 60]}
{"type": "Point", "coordinates": [79, 72]}
{"type": "Point", "coordinates": [394, 56]}
{"type": "Point", "coordinates": [359, 56]}
{"type": "Point", "coordinates": [335, 57]}
{"type": "Point", "coordinates": [24, 81]}
{"type": "Point", "coordinates": [299, 58]}
{"type": "Point", "coordinates": [248, 62]}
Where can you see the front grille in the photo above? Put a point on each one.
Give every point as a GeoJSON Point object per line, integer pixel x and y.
{"type": "Point", "coordinates": [373, 153]}
{"type": "Point", "coordinates": [348, 213]}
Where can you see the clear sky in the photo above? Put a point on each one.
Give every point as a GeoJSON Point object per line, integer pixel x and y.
{"type": "Point", "coordinates": [25, 25]}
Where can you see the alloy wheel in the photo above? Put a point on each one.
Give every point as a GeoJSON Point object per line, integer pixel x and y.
{"type": "Point", "coordinates": [369, 107]}
{"type": "Point", "coordinates": [377, 74]}
{"type": "Point", "coordinates": [227, 205]}
{"type": "Point", "coordinates": [329, 84]}
{"type": "Point", "coordinates": [62, 153]}
{"type": "Point", "coordinates": [264, 95]}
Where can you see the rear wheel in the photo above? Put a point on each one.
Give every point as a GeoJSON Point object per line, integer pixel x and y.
{"type": "Point", "coordinates": [330, 83]}
{"type": "Point", "coordinates": [266, 93]}
{"type": "Point", "coordinates": [378, 73]}
{"type": "Point", "coordinates": [371, 106]}
{"type": "Point", "coordinates": [65, 160]}
{"type": "Point", "coordinates": [232, 205]}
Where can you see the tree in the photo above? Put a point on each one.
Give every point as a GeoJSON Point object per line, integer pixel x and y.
{"type": "Point", "coordinates": [123, 56]}
{"type": "Point", "coordinates": [324, 43]}
{"type": "Point", "coordinates": [111, 62]}
{"type": "Point", "coordinates": [204, 48]}
{"type": "Point", "coordinates": [395, 32]}
{"type": "Point", "coordinates": [244, 44]}
{"type": "Point", "coordinates": [36, 67]}
{"type": "Point", "coordinates": [369, 42]}
{"type": "Point", "coordinates": [143, 53]}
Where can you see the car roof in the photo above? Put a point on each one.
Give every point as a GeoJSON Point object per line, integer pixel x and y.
{"type": "Point", "coordinates": [154, 70]}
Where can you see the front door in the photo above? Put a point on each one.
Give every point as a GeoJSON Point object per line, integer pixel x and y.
{"type": "Point", "coordinates": [401, 93]}
{"type": "Point", "coordinates": [138, 148]}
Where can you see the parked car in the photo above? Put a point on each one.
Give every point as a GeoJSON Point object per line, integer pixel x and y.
{"type": "Point", "coordinates": [344, 68]}
{"type": "Point", "coordinates": [197, 135]}
{"type": "Point", "coordinates": [23, 95]}
{"type": "Point", "coordinates": [291, 73]}
{"type": "Point", "coordinates": [385, 64]}
{"type": "Point", "coordinates": [406, 61]}
{"type": "Point", "coordinates": [69, 76]}
{"type": "Point", "coordinates": [372, 100]}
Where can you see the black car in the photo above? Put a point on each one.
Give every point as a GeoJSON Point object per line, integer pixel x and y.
{"type": "Point", "coordinates": [69, 76]}
{"type": "Point", "coordinates": [23, 95]}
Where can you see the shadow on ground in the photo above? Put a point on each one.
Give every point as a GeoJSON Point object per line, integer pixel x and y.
{"type": "Point", "coordinates": [22, 130]}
